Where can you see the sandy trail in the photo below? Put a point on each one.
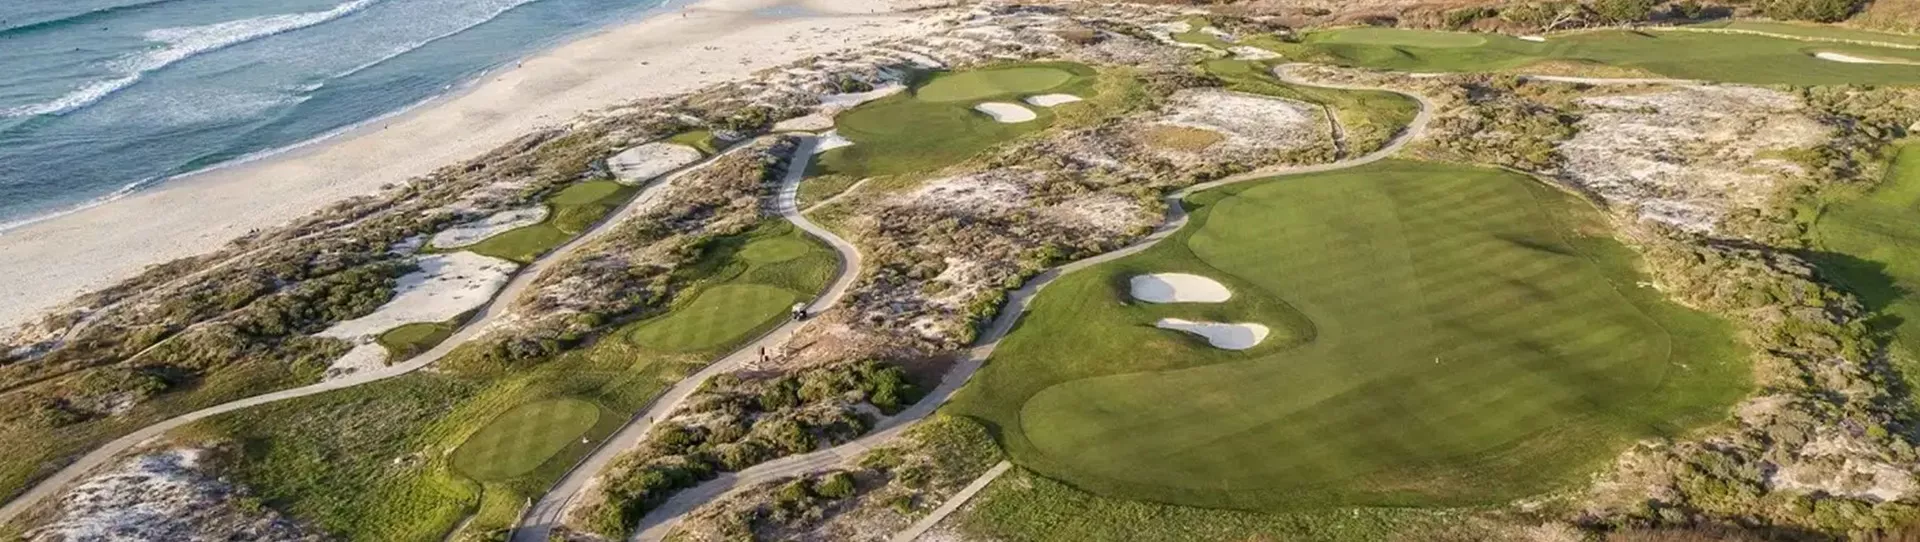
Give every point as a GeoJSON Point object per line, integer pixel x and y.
{"type": "Point", "coordinates": [659, 522]}
{"type": "Point", "coordinates": [52, 261]}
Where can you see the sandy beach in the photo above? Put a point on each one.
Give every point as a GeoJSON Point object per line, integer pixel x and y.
{"type": "Point", "coordinates": [49, 262]}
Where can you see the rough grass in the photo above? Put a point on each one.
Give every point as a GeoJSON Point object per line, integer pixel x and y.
{"type": "Point", "coordinates": [1369, 118]}
{"type": "Point", "coordinates": [1871, 245]}
{"type": "Point", "coordinates": [1815, 31]}
{"type": "Point", "coordinates": [521, 439]}
{"type": "Point", "coordinates": [372, 462]}
{"type": "Point", "coordinates": [1708, 56]}
{"type": "Point", "coordinates": [908, 132]}
{"type": "Point", "coordinates": [410, 340]}
{"type": "Point", "coordinates": [574, 209]}
{"type": "Point", "coordinates": [1443, 336]}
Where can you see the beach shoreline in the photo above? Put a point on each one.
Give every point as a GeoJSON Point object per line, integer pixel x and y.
{"type": "Point", "coordinates": [676, 48]}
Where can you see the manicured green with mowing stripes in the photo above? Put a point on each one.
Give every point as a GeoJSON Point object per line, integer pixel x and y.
{"type": "Point", "coordinates": [574, 210]}
{"type": "Point", "coordinates": [1871, 245]}
{"type": "Point", "coordinates": [1707, 56]}
{"type": "Point", "coordinates": [523, 438]}
{"type": "Point", "coordinates": [934, 125]}
{"type": "Point", "coordinates": [1444, 335]}
{"type": "Point", "coordinates": [719, 314]}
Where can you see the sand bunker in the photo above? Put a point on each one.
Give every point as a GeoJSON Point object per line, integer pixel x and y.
{"type": "Point", "coordinates": [366, 356]}
{"type": "Point", "coordinates": [445, 286]}
{"type": "Point", "coordinates": [643, 163]}
{"type": "Point", "coordinates": [1178, 288]}
{"type": "Point", "coordinates": [477, 231]}
{"type": "Point", "coordinates": [1006, 112]}
{"type": "Point", "coordinates": [1533, 38]}
{"type": "Point", "coordinates": [1050, 100]}
{"type": "Point", "coordinates": [1249, 52]}
{"type": "Point", "coordinates": [830, 141]}
{"type": "Point", "coordinates": [1850, 59]}
{"type": "Point", "coordinates": [1237, 336]}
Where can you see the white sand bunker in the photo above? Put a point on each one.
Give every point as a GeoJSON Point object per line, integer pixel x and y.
{"type": "Point", "coordinates": [1236, 336]}
{"type": "Point", "coordinates": [446, 286]}
{"type": "Point", "coordinates": [1050, 100]}
{"type": "Point", "coordinates": [1850, 59]}
{"type": "Point", "coordinates": [830, 141]}
{"type": "Point", "coordinates": [1533, 38]}
{"type": "Point", "coordinates": [1250, 52]}
{"type": "Point", "coordinates": [1006, 112]}
{"type": "Point", "coordinates": [1178, 288]}
{"type": "Point", "coordinates": [643, 163]}
{"type": "Point", "coordinates": [477, 231]}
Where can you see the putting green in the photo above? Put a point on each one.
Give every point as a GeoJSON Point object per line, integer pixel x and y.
{"type": "Point", "coordinates": [1871, 245]}
{"type": "Point", "coordinates": [935, 125]}
{"type": "Point", "coordinates": [719, 315]}
{"type": "Point", "coordinates": [521, 439]}
{"type": "Point", "coordinates": [986, 83]}
{"type": "Point", "coordinates": [774, 250]}
{"type": "Point", "coordinates": [1443, 336]}
{"type": "Point", "coordinates": [1736, 58]}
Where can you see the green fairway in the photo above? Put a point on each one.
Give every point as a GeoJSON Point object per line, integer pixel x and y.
{"type": "Point", "coordinates": [523, 438]}
{"type": "Point", "coordinates": [1814, 31]}
{"type": "Point", "coordinates": [411, 339]}
{"type": "Point", "coordinates": [1871, 245]}
{"type": "Point", "coordinates": [1708, 56]}
{"type": "Point", "coordinates": [574, 209]}
{"type": "Point", "coordinates": [1443, 335]}
{"type": "Point", "coordinates": [717, 316]}
{"type": "Point", "coordinates": [934, 125]}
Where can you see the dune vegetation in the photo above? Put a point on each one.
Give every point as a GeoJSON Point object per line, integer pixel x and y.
{"type": "Point", "coordinates": [1442, 335]}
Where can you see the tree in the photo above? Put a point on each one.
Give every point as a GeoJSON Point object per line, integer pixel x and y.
{"type": "Point", "coordinates": [1825, 11]}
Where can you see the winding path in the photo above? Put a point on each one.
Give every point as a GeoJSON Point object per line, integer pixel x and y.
{"type": "Point", "coordinates": [659, 522]}
{"type": "Point", "coordinates": [537, 523]}
{"type": "Point", "coordinates": [474, 327]}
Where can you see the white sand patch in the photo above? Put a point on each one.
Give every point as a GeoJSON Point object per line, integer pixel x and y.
{"type": "Point", "coordinates": [1006, 112]}
{"type": "Point", "coordinates": [1535, 39]}
{"type": "Point", "coordinates": [1235, 336]}
{"type": "Point", "coordinates": [992, 191]}
{"type": "Point", "coordinates": [807, 123]}
{"type": "Point", "coordinates": [841, 102]}
{"type": "Point", "coordinates": [1248, 122]}
{"type": "Point", "coordinates": [1178, 288]}
{"type": "Point", "coordinates": [643, 163]}
{"type": "Point", "coordinates": [366, 356]}
{"type": "Point", "coordinates": [164, 495]}
{"type": "Point", "coordinates": [1850, 59]}
{"type": "Point", "coordinates": [830, 141]}
{"type": "Point", "coordinates": [1250, 52]}
{"type": "Point", "coordinates": [479, 230]}
{"type": "Point", "coordinates": [1050, 100]}
{"type": "Point", "coordinates": [445, 286]}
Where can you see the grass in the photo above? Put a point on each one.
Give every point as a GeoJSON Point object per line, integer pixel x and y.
{"type": "Point", "coordinates": [716, 316]}
{"type": "Point", "coordinates": [410, 340]}
{"type": "Point", "coordinates": [408, 458]}
{"type": "Point", "coordinates": [1871, 245]}
{"type": "Point", "coordinates": [521, 439]}
{"type": "Point", "coordinates": [1687, 55]}
{"type": "Point", "coordinates": [1443, 336]}
{"type": "Point", "coordinates": [934, 125]}
{"type": "Point", "coordinates": [701, 140]}
{"type": "Point", "coordinates": [1815, 31]}
{"type": "Point", "coordinates": [1197, 34]}
{"type": "Point", "coordinates": [1369, 118]}
{"type": "Point", "coordinates": [574, 209]}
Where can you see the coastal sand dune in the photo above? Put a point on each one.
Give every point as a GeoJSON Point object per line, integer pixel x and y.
{"type": "Point", "coordinates": [50, 262]}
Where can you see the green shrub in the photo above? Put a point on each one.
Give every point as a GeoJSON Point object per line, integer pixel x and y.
{"type": "Point", "coordinates": [1624, 11]}
{"type": "Point", "coordinates": [835, 486]}
{"type": "Point", "coordinates": [1825, 11]}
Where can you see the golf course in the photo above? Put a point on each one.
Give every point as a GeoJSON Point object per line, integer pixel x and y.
{"type": "Point", "coordinates": [1871, 244]}
{"type": "Point", "coordinates": [934, 124]}
{"type": "Point", "coordinates": [1707, 56]}
{"type": "Point", "coordinates": [1442, 335]}
{"type": "Point", "coordinates": [573, 210]}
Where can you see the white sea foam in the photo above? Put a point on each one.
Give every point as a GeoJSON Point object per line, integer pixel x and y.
{"type": "Point", "coordinates": [409, 47]}
{"type": "Point", "coordinates": [179, 44]}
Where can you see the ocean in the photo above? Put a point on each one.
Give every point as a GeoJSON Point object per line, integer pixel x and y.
{"type": "Point", "coordinates": [99, 98]}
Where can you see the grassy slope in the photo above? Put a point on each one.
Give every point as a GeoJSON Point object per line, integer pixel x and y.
{"type": "Point", "coordinates": [574, 209]}
{"type": "Point", "coordinates": [1446, 344]}
{"type": "Point", "coordinates": [934, 124]}
{"type": "Point", "coordinates": [373, 463]}
{"type": "Point", "coordinates": [1871, 245]}
{"type": "Point", "coordinates": [1688, 55]}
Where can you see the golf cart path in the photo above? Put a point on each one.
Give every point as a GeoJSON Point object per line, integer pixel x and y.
{"type": "Point", "coordinates": [537, 523]}
{"type": "Point", "coordinates": [660, 521]}
{"type": "Point", "coordinates": [523, 278]}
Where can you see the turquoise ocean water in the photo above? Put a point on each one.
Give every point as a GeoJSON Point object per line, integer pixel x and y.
{"type": "Point", "coordinates": [99, 98]}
